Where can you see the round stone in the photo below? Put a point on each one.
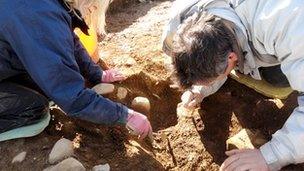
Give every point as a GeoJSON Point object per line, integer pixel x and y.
{"type": "Point", "coordinates": [141, 104]}
{"type": "Point", "coordinates": [19, 158]}
{"type": "Point", "coordinates": [104, 88]}
{"type": "Point", "coordinates": [69, 164]}
{"type": "Point", "coordinates": [62, 149]}
{"type": "Point", "coordinates": [122, 93]}
{"type": "Point", "coordinates": [105, 167]}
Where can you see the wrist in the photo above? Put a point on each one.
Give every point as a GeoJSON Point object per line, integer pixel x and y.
{"type": "Point", "coordinates": [124, 115]}
{"type": "Point", "coordinates": [271, 159]}
{"type": "Point", "coordinates": [104, 75]}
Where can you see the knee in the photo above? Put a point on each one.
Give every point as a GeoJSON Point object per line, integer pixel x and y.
{"type": "Point", "coordinates": [38, 101]}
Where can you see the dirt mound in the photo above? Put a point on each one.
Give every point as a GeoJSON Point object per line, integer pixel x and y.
{"type": "Point", "coordinates": [190, 140]}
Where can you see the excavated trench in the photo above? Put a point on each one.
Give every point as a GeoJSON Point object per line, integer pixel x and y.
{"type": "Point", "coordinates": [184, 140]}
{"type": "Point", "coordinates": [188, 140]}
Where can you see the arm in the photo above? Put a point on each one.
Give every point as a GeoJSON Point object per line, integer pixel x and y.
{"type": "Point", "coordinates": [88, 68]}
{"type": "Point", "coordinates": [43, 41]}
{"type": "Point", "coordinates": [287, 144]}
{"type": "Point", "coordinates": [286, 42]}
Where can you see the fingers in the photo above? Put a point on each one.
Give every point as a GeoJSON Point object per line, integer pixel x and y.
{"type": "Point", "coordinates": [113, 75]}
{"type": "Point", "coordinates": [119, 78]}
{"type": "Point", "coordinates": [197, 99]}
{"type": "Point", "coordinates": [144, 133]}
{"type": "Point", "coordinates": [240, 163]}
{"type": "Point", "coordinates": [139, 125]}
{"type": "Point", "coordinates": [190, 99]}
{"type": "Point", "coordinates": [117, 75]}
{"type": "Point", "coordinates": [240, 157]}
{"type": "Point", "coordinates": [228, 162]}
{"type": "Point", "coordinates": [236, 151]}
{"type": "Point", "coordinates": [186, 97]}
{"type": "Point", "coordinates": [245, 167]}
{"type": "Point", "coordinates": [147, 132]}
{"type": "Point", "coordinates": [132, 130]}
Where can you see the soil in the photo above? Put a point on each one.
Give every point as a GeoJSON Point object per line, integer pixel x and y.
{"type": "Point", "coordinates": [192, 142]}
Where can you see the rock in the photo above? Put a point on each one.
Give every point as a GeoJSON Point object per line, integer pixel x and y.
{"type": "Point", "coordinates": [141, 104]}
{"type": "Point", "coordinates": [105, 167]}
{"type": "Point", "coordinates": [19, 158]}
{"type": "Point", "coordinates": [277, 102]}
{"type": "Point", "coordinates": [69, 164]}
{"type": "Point", "coordinates": [62, 149]}
{"type": "Point", "coordinates": [104, 88]}
{"type": "Point", "coordinates": [144, 1]}
{"type": "Point", "coordinates": [122, 93]}
{"type": "Point", "coordinates": [246, 139]}
{"type": "Point", "coordinates": [130, 62]}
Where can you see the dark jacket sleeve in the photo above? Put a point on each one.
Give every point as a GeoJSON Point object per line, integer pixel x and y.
{"type": "Point", "coordinates": [43, 41]}
{"type": "Point", "coordinates": [91, 71]}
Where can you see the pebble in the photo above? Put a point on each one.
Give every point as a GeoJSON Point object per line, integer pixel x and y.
{"type": "Point", "coordinates": [69, 164]}
{"type": "Point", "coordinates": [104, 88]}
{"type": "Point", "coordinates": [105, 167]}
{"type": "Point", "coordinates": [122, 93]}
{"type": "Point", "coordinates": [130, 62]}
{"type": "Point", "coordinates": [62, 149]}
{"type": "Point", "coordinates": [141, 104]}
{"type": "Point", "coordinates": [19, 158]}
{"type": "Point", "coordinates": [246, 139]}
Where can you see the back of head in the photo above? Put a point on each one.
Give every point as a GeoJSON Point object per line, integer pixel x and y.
{"type": "Point", "coordinates": [201, 46]}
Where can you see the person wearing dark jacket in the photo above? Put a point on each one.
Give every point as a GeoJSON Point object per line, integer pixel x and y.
{"type": "Point", "coordinates": [41, 58]}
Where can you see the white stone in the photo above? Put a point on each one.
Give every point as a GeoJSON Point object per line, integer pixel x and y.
{"type": "Point", "coordinates": [246, 139]}
{"type": "Point", "coordinates": [141, 104]}
{"type": "Point", "coordinates": [69, 164]}
{"type": "Point", "coordinates": [105, 167]}
{"type": "Point", "coordinates": [62, 149]}
{"type": "Point", "coordinates": [130, 62]}
{"type": "Point", "coordinates": [19, 158]}
{"type": "Point", "coordinates": [104, 88]}
{"type": "Point", "coordinates": [122, 93]}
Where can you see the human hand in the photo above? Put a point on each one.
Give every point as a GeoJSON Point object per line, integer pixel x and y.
{"type": "Point", "coordinates": [191, 99]}
{"type": "Point", "coordinates": [138, 124]}
{"type": "Point", "coordinates": [244, 160]}
{"type": "Point", "coordinates": [112, 75]}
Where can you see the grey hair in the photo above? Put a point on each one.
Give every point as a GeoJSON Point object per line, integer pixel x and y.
{"type": "Point", "coordinates": [200, 49]}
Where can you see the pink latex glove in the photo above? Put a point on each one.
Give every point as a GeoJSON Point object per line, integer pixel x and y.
{"type": "Point", "coordinates": [138, 124]}
{"type": "Point", "coordinates": [112, 75]}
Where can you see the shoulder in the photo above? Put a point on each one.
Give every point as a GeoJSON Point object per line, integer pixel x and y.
{"type": "Point", "coordinates": [30, 10]}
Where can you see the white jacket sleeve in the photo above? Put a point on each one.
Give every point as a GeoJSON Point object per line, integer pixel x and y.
{"type": "Point", "coordinates": [287, 144]}
{"type": "Point", "coordinates": [208, 90]}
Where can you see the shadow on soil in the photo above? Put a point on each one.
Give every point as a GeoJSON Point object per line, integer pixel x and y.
{"type": "Point", "coordinates": [124, 13]}
{"type": "Point", "coordinates": [252, 110]}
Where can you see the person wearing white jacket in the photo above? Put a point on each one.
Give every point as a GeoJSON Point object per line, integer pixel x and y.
{"type": "Point", "coordinates": [206, 39]}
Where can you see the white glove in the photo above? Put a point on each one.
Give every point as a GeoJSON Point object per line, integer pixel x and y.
{"type": "Point", "coordinates": [191, 99]}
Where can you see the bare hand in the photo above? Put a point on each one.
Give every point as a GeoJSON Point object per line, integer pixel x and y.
{"type": "Point", "coordinates": [244, 160]}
